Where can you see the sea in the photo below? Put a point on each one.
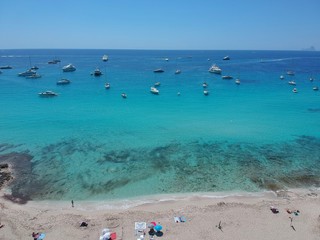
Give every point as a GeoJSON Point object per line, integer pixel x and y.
{"type": "Point", "coordinates": [89, 143]}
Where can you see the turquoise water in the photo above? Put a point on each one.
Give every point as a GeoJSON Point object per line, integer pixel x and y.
{"type": "Point", "coordinates": [89, 143]}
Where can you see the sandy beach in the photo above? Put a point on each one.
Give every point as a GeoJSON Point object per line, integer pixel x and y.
{"type": "Point", "coordinates": [240, 217]}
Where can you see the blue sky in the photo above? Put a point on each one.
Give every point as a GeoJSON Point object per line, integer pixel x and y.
{"type": "Point", "coordinates": [165, 24]}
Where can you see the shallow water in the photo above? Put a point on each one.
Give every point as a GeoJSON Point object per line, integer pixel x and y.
{"type": "Point", "coordinates": [89, 143]}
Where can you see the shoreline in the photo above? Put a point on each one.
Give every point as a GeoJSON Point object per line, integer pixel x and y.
{"type": "Point", "coordinates": [242, 217]}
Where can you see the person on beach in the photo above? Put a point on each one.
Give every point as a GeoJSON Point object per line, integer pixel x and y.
{"type": "Point", "coordinates": [84, 224]}
{"type": "Point", "coordinates": [274, 210]}
{"type": "Point", "coordinates": [1, 225]}
{"type": "Point", "coordinates": [35, 235]}
{"type": "Point", "coordinates": [72, 203]}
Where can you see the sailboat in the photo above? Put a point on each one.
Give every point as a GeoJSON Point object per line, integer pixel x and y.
{"type": "Point", "coordinates": [30, 73]}
{"type": "Point", "coordinates": [33, 67]}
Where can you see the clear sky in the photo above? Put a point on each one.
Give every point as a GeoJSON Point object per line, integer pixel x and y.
{"type": "Point", "coordinates": [160, 24]}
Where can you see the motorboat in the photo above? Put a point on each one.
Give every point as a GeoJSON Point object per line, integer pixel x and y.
{"type": "Point", "coordinates": [178, 71]}
{"type": "Point", "coordinates": [166, 59]}
{"type": "Point", "coordinates": [34, 68]}
{"type": "Point", "coordinates": [47, 94]}
{"type": "Point", "coordinates": [5, 67]}
{"type": "Point", "coordinates": [157, 84]}
{"type": "Point", "coordinates": [34, 76]}
{"type": "Point", "coordinates": [159, 70]}
{"type": "Point", "coordinates": [69, 68]}
{"type": "Point", "coordinates": [292, 83]}
{"type": "Point", "coordinates": [154, 90]}
{"type": "Point", "coordinates": [97, 72]}
{"type": "Point", "coordinates": [54, 61]}
{"type": "Point", "coordinates": [204, 85]}
{"type": "Point", "coordinates": [281, 77]}
{"type": "Point", "coordinates": [294, 90]}
{"type": "Point", "coordinates": [291, 73]}
{"type": "Point", "coordinates": [315, 88]}
{"type": "Point", "coordinates": [27, 73]}
{"type": "Point", "coordinates": [237, 81]}
{"type": "Point", "coordinates": [227, 77]}
{"type": "Point", "coordinates": [123, 95]}
{"type": "Point", "coordinates": [215, 69]}
{"type": "Point", "coordinates": [105, 58]}
{"type": "Point", "coordinates": [206, 93]}
{"type": "Point", "coordinates": [311, 79]}
{"type": "Point", "coordinates": [107, 85]}
{"type": "Point", "coordinates": [63, 81]}
{"type": "Point", "coordinates": [226, 58]}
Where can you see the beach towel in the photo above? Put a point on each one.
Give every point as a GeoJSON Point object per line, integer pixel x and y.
{"type": "Point", "coordinates": [183, 219]}
{"type": "Point", "coordinates": [180, 219]}
{"type": "Point", "coordinates": [140, 225]}
{"type": "Point", "coordinates": [42, 236]}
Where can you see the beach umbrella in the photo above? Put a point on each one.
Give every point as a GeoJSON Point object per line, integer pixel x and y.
{"type": "Point", "coordinates": [154, 223]}
{"type": "Point", "coordinates": [158, 228]}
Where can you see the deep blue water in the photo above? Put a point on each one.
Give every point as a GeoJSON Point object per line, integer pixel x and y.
{"type": "Point", "coordinates": [89, 143]}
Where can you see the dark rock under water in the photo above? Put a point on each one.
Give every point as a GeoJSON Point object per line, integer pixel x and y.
{"type": "Point", "coordinates": [66, 169]}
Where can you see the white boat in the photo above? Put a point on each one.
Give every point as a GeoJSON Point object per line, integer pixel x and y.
{"type": "Point", "coordinates": [27, 73]}
{"type": "Point", "coordinates": [157, 84]}
{"type": "Point", "coordinates": [123, 95]}
{"type": "Point", "coordinates": [204, 85]}
{"type": "Point", "coordinates": [206, 93]}
{"type": "Point", "coordinates": [226, 58]}
{"type": "Point", "coordinates": [227, 77]}
{"type": "Point", "coordinates": [54, 61]}
{"type": "Point", "coordinates": [34, 76]}
{"type": "Point", "coordinates": [159, 70]}
{"type": "Point", "coordinates": [47, 94]}
{"type": "Point", "coordinates": [281, 77]}
{"type": "Point", "coordinates": [166, 59]}
{"type": "Point", "coordinates": [215, 69]}
{"type": "Point", "coordinates": [237, 81]}
{"type": "Point", "coordinates": [5, 67]}
{"type": "Point", "coordinates": [311, 79]}
{"type": "Point", "coordinates": [107, 85]}
{"type": "Point", "coordinates": [291, 73]}
{"type": "Point", "coordinates": [154, 90]}
{"type": "Point", "coordinates": [63, 81]}
{"type": "Point", "coordinates": [315, 88]}
{"type": "Point", "coordinates": [178, 71]}
{"type": "Point", "coordinates": [105, 58]}
{"type": "Point", "coordinates": [294, 90]}
{"type": "Point", "coordinates": [34, 68]}
{"type": "Point", "coordinates": [292, 83]}
{"type": "Point", "coordinates": [97, 72]}
{"type": "Point", "coordinates": [69, 68]}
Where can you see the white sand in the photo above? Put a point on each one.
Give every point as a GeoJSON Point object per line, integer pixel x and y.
{"type": "Point", "coordinates": [247, 218]}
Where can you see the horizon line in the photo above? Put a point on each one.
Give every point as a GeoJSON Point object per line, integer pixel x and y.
{"type": "Point", "coordinates": [149, 49]}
